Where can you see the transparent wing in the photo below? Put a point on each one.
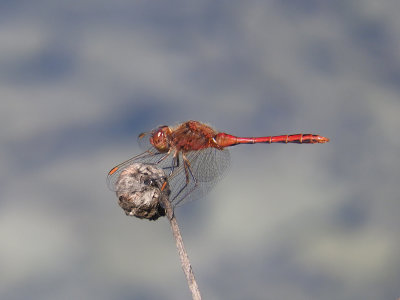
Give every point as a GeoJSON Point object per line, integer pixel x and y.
{"type": "Point", "coordinates": [206, 167]}
{"type": "Point", "coordinates": [209, 164]}
{"type": "Point", "coordinates": [151, 156]}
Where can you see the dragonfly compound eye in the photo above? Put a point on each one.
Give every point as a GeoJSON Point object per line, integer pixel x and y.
{"type": "Point", "coordinates": [140, 188]}
{"type": "Point", "coordinates": [159, 138]}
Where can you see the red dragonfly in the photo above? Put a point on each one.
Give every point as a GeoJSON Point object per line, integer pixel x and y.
{"type": "Point", "coordinates": [194, 156]}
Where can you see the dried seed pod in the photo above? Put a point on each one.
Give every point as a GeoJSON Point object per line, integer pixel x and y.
{"type": "Point", "coordinates": [139, 189]}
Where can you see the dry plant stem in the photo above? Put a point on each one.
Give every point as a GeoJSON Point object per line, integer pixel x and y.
{"type": "Point", "coordinates": [187, 268]}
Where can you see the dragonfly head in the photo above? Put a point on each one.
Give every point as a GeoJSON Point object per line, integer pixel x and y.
{"type": "Point", "coordinates": [159, 138]}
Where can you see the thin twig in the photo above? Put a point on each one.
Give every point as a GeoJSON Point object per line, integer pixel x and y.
{"type": "Point", "coordinates": [187, 268]}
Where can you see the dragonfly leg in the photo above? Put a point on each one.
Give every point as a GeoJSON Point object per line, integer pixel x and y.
{"type": "Point", "coordinates": [162, 158]}
{"type": "Point", "coordinates": [175, 163]}
{"type": "Point", "coordinates": [189, 175]}
{"type": "Point", "coordinates": [172, 167]}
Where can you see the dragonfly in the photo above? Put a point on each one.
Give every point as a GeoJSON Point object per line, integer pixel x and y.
{"type": "Point", "coordinates": [194, 156]}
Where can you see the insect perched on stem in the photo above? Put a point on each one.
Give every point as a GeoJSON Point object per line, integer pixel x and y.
{"type": "Point", "coordinates": [194, 156]}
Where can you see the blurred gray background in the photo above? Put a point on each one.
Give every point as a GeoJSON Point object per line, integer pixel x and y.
{"type": "Point", "coordinates": [79, 80]}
